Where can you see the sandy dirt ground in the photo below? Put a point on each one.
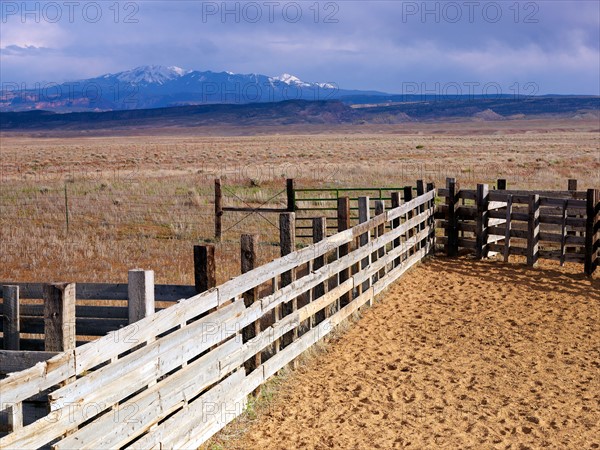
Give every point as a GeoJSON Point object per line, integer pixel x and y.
{"type": "Point", "coordinates": [459, 355]}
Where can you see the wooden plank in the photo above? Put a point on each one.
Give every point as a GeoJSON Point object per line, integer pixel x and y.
{"type": "Point", "coordinates": [379, 232]}
{"type": "Point", "coordinates": [319, 233]}
{"type": "Point", "coordinates": [204, 268]}
{"type": "Point", "coordinates": [248, 249]}
{"type": "Point", "coordinates": [141, 294]}
{"type": "Point", "coordinates": [59, 317]}
{"type": "Point", "coordinates": [343, 214]}
{"type": "Point", "coordinates": [364, 213]}
{"type": "Point", "coordinates": [287, 239]}
{"type": "Point", "coordinates": [420, 192]}
{"type": "Point", "coordinates": [481, 232]}
{"type": "Point", "coordinates": [501, 184]}
{"type": "Point", "coordinates": [290, 194]}
{"type": "Point", "coordinates": [508, 226]}
{"type": "Point", "coordinates": [591, 254]}
{"type": "Point", "coordinates": [16, 360]}
{"type": "Point", "coordinates": [195, 421]}
{"type": "Point", "coordinates": [106, 291]}
{"type": "Point", "coordinates": [533, 230]}
{"type": "Point", "coordinates": [467, 194]}
{"type": "Point", "coordinates": [496, 205]}
{"type": "Point", "coordinates": [396, 223]}
{"type": "Point", "coordinates": [83, 326]}
{"type": "Point", "coordinates": [563, 234]}
{"type": "Point", "coordinates": [218, 210]}
{"type": "Point", "coordinates": [409, 214]}
{"type": "Point", "coordinates": [137, 414]}
{"type": "Point", "coordinates": [11, 328]}
{"type": "Point", "coordinates": [409, 206]}
{"type": "Point", "coordinates": [20, 386]}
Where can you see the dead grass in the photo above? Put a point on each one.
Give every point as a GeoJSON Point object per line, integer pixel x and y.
{"type": "Point", "coordinates": [143, 201]}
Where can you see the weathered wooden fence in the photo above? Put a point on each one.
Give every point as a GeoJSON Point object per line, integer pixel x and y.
{"type": "Point", "coordinates": [559, 225]}
{"type": "Point", "coordinates": [175, 377]}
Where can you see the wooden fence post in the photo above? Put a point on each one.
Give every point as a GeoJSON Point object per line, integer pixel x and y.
{"type": "Point", "coordinates": [343, 218]}
{"type": "Point", "coordinates": [509, 208]}
{"type": "Point", "coordinates": [533, 230]}
{"type": "Point", "coordinates": [204, 268]}
{"type": "Point", "coordinates": [379, 231]}
{"type": "Point", "coordinates": [481, 230]}
{"type": "Point", "coordinates": [451, 218]}
{"type": "Point", "coordinates": [395, 224]}
{"type": "Point", "coordinates": [572, 186]}
{"type": "Point", "coordinates": [140, 290]}
{"type": "Point", "coordinates": [218, 210]}
{"type": "Point", "coordinates": [59, 317]}
{"type": "Point", "coordinates": [409, 215]}
{"type": "Point", "coordinates": [591, 244]}
{"type": "Point", "coordinates": [431, 222]}
{"type": "Point", "coordinates": [287, 243]}
{"type": "Point", "coordinates": [421, 227]}
{"type": "Point", "coordinates": [320, 233]}
{"type": "Point", "coordinates": [248, 257]}
{"type": "Point", "coordinates": [12, 326]}
{"type": "Point", "coordinates": [501, 185]}
{"type": "Point", "coordinates": [291, 195]}
{"type": "Point", "coordinates": [364, 214]}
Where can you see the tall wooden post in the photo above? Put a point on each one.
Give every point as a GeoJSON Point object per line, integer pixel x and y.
{"type": "Point", "coordinates": [218, 210]}
{"type": "Point", "coordinates": [408, 196]}
{"type": "Point", "coordinates": [12, 327]}
{"type": "Point", "coordinates": [59, 317]}
{"type": "Point", "coordinates": [204, 268]}
{"type": "Point", "coordinates": [451, 218]}
{"type": "Point", "coordinates": [591, 231]}
{"type": "Point", "coordinates": [248, 257]}
{"type": "Point", "coordinates": [421, 227]}
{"type": "Point", "coordinates": [572, 186]}
{"type": "Point", "coordinates": [379, 231]}
{"type": "Point", "coordinates": [320, 233]}
{"type": "Point", "coordinates": [364, 214]}
{"type": "Point", "coordinates": [431, 222]}
{"type": "Point", "coordinates": [501, 185]}
{"type": "Point", "coordinates": [395, 224]}
{"type": "Point", "coordinates": [287, 242]}
{"type": "Point", "coordinates": [533, 230]}
{"type": "Point", "coordinates": [291, 195]}
{"type": "Point", "coordinates": [140, 288]}
{"type": "Point", "coordinates": [481, 230]}
{"type": "Point", "coordinates": [343, 216]}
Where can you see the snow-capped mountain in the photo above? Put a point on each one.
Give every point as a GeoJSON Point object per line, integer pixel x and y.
{"type": "Point", "coordinates": [160, 86]}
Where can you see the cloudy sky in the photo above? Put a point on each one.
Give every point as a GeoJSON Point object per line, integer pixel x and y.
{"type": "Point", "coordinates": [541, 46]}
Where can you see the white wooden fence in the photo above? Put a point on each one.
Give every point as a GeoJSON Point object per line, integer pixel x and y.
{"type": "Point", "coordinates": [176, 377]}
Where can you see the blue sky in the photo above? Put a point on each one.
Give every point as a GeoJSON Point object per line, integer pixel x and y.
{"type": "Point", "coordinates": [542, 46]}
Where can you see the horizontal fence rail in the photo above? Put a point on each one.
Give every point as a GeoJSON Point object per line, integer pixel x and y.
{"type": "Point", "coordinates": [175, 377]}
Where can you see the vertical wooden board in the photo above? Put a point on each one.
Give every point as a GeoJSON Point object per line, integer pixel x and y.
{"type": "Point", "coordinates": [380, 231]}
{"type": "Point", "coordinates": [140, 289]}
{"type": "Point", "coordinates": [320, 233]}
{"type": "Point", "coordinates": [563, 234]}
{"type": "Point", "coordinates": [509, 207]}
{"type": "Point", "coordinates": [451, 218]}
{"type": "Point", "coordinates": [11, 326]}
{"type": "Point", "coordinates": [204, 268]}
{"type": "Point", "coordinates": [533, 230]}
{"type": "Point", "coordinates": [396, 223]}
{"type": "Point", "coordinates": [591, 251]}
{"type": "Point", "coordinates": [290, 194]}
{"type": "Point", "coordinates": [408, 196]}
{"type": "Point", "coordinates": [218, 210]}
{"type": "Point", "coordinates": [343, 209]}
{"type": "Point", "coordinates": [421, 208]}
{"type": "Point", "coordinates": [287, 242]}
{"type": "Point", "coordinates": [481, 230]}
{"type": "Point", "coordinates": [501, 185]}
{"type": "Point", "coordinates": [364, 215]}
{"type": "Point", "coordinates": [59, 317]}
{"type": "Point", "coordinates": [248, 250]}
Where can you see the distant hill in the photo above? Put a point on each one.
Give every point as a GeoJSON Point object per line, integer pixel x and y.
{"type": "Point", "coordinates": [306, 112]}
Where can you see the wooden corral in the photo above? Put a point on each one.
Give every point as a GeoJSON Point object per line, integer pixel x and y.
{"type": "Point", "coordinates": [175, 377]}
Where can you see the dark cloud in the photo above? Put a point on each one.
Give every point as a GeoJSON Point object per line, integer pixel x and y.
{"type": "Point", "coordinates": [369, 45]}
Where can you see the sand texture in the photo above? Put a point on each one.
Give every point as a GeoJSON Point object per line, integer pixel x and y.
{"type": "Point", "coordinates": [458, 354]}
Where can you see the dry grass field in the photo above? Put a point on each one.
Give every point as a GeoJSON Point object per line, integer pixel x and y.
{"type": "Point", "coordinates": [142, 198]}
